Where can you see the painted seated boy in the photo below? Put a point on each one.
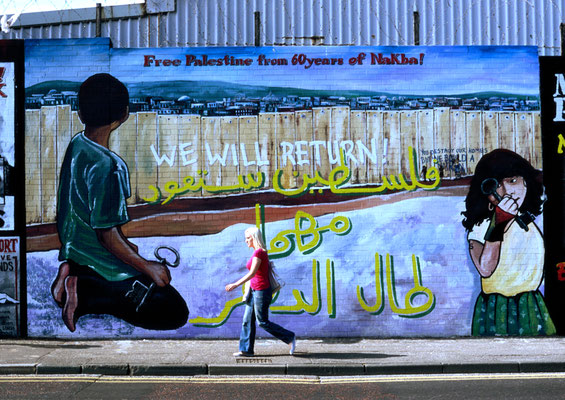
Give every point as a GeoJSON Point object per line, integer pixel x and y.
{"type": "Point", "coordinates": [100, 265]}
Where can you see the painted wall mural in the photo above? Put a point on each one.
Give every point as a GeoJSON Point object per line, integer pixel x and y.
{"type": "Point", "coordinates": [552, 88]}
{"type": "Point", "coordinates": [359, 165]}
{"type": "Point", "coordinates": [10, 264]}
{"type": "Point", "coordinates": [7, 136]}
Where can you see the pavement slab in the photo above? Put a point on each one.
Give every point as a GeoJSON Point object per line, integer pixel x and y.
{"type": "Point", "coordinates": [313, 357]}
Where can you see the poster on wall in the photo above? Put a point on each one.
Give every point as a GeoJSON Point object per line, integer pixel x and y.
{"type": "Point", "coordinates": [379, 177]}
{"type": "Point", "coordinates": [9, 285]}
{"type": "Point", "coordinates": [7, 153]}
{"type": "Point", "coordinates": [552, 88]}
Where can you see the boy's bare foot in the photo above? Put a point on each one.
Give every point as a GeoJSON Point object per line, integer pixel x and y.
{"type": "Point", "coordinates": [58, 285]}
{"type": "Point", "coordinates": [71, 304]}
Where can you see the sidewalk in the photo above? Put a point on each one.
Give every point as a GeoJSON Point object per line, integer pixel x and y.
{"type": "Point", "coordinates": [318, 357]}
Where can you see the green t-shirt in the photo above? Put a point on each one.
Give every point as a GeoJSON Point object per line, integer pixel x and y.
{"type": "Point", "coordinates": [93, 188]}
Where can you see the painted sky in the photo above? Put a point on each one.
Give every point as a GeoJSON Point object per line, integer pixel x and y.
{"type": "Point", "coordinates": [449, 70]}
{"type": "Point", "coordinates": [443, 71]}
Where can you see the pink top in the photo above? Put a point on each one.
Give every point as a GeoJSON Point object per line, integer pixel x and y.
{"type": "Point", "coordinates": [261, 279]}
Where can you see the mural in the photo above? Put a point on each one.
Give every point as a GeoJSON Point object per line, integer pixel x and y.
{"type": "Point", "coordinates": [506, 246]}
{"type": "Point", "coordinates": [7, 153]}
{"type": "Point", "coordinates": [10, 293]}
{"type": "Point", "coordinates": [356, 163]}
{"type": "Point", "coordinates": [552, 88]}
{"type": "Point", "coordinates": [9, 286]}
{"type": "Point", "coordinates": [102, 272]}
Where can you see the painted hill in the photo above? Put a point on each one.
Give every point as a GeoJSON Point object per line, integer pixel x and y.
{"type": "Point", "coordinates": [213, 90]}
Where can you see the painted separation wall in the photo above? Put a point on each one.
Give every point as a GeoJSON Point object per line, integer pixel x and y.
{"type": "Point", "coordinates": [354, 161]}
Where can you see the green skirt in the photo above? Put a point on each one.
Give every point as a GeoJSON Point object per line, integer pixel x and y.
{"type": "Point", "coordinates": [522, 315]}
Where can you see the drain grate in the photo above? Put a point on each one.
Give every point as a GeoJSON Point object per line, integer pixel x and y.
{"type": "Point", "coordinates": [254, 360]}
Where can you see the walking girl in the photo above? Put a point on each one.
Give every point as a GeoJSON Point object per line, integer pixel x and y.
{"type": "Point", "coordinates": [258, 302]}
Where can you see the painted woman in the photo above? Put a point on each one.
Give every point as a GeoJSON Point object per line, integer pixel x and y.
{"type": "Point", "coordinates": [506, 246]}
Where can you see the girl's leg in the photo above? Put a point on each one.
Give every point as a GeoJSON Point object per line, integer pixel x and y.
{"type": "Point", "coordinates": [247, 336]}
{"type": "Point", "coordinates": [262, 302]}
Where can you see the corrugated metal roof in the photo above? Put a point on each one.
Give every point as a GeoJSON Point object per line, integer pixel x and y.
{"type": "Point", "coordinates": [310, 22]}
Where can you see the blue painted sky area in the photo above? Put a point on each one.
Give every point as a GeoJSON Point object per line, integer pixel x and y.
{"type": "Point", "coordinates": [65, 59]}
{"type": "Point", "coordinates": [437, 71]}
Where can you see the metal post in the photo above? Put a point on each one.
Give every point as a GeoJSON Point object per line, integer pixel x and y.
{"type": "Point", "coordinates": [562, 28]}
{"type": "Point", "coordinates": [257, 28]}
{"type": "Point", "coordinates": [98, 19]}
{"type": "Point", "coordinates": [416, 28]}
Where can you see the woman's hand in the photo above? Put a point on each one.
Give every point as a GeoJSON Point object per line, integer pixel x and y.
{"type": "Point", "coordinates": [509, 205]}
{"type": "Point", "coordinates": [230, 287]}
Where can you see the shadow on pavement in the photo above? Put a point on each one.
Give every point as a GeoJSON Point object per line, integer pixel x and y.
{"type": "Point", "coordinates": [344, 356]}
{"type": "Point", "coordinates": [340, 340]}
{"type": "Point", "coordinates": [59, 346]}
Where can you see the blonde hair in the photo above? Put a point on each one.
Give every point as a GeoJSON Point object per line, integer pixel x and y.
{"type": "Point", "coordinates": [257, 237]}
